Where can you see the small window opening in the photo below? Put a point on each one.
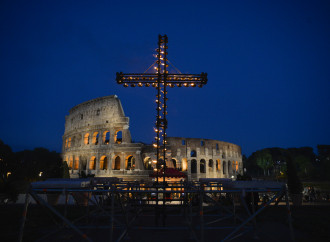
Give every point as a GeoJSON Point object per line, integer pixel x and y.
{"type": "Point", "coordinates": [104, 163]}
{"type": "Point", "coordinates": [76, 163]}
{"type": "Point", "coordinates": [106, 137]}
{"type": "Point", "coordinates": [116, 165]}
{"type": "Point", "coordinates": [95, 138]}
{"type": "Point", "coordinates": [118, 137]}
{"type": "Point", "coordinates": [193, 153]}
{"type": "Point", "coordinates": [193, 167]}
{"type": "Point", "coordinates": [130, 163]}
{"type": "Point", "coordinates": [202, 166]}
{"type": "Point", "coordinates": [202, 143]}
{"type": "Point", "coordinates": [92, 163]}
{"type": "Point", "coordinates": [98, 112]}
{"type": "Point", "coordinates": [183, 142]}
{"type": "Point", "coordinates": [86, 139]}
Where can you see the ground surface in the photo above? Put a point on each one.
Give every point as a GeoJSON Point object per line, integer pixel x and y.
{"type": "Point", "coordinates": [311, 222]}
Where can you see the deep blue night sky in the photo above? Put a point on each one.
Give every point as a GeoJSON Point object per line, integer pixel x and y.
{"type": "Point", "coordinates": [268, 64]}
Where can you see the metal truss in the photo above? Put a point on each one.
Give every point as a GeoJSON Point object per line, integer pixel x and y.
{"type": "Point", "coordinates": [127, 207]}
{"type": "Point", "coordinates": [161, 80]}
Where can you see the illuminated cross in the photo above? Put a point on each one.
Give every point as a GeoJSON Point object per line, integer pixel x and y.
{"type": "Point", "coordinates": [161, 80]}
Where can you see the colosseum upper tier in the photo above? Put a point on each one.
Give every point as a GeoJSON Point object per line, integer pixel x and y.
{"type": "Point", "coordinates": [97, 141]}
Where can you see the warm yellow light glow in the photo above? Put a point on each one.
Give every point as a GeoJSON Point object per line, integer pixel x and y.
{"type": "Point", "coordinates": [8, 173]}
{"type": "Point", "coordinates": [154, 161]}
{"type": "Point", "coordinates": [40, 173]}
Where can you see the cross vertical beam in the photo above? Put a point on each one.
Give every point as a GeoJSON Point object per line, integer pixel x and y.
{"type": "Point", "coordinates": [161, 80]}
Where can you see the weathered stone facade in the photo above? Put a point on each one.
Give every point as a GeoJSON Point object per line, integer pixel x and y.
{"type": "Point", "coordinates": [97, 141]}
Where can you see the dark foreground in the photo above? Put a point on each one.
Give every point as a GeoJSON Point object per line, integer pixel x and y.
{"type": "Point", "coordinates": [310, 223]}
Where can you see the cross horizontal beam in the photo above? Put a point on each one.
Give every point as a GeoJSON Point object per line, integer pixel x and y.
{"type": "Point", "coordinates": [170, 79]}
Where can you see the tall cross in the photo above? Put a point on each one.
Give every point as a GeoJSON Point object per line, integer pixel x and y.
{"type": "Point", "coordinates": [161, 80]}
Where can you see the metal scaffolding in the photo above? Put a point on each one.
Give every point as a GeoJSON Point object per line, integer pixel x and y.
{"type": "Point", "coordinates": [125, 208]}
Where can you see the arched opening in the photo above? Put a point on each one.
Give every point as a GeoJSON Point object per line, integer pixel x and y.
{"type": "Point", "coordinates": [173, 163]}
{"type": "Point", "coordinates": [202, 166]}
{"type": "Point", "coordinates": [147, 163]}
{"type": "Point", "coordinates": [116, 164]}
{"type": "Point", "coordinates": [104, 163]}
{"type": "Point", "coordinates": [193, 153]}
{"type": "Point", "coordinates": [230, 169]}
{"type": "Point", "coordinates": [66, 143]}
{"type": "Point", "coordinates": [236, 166]}
{"type": "Point", "coordinates": [184, 164]}
{"type": "Point", "coordinates": [193, 167]}
{"type": "Point", "coordinates": [86, 139]}
{"type": "Point", "coordinates": [130, 162]}
{"type": "Point", "coordinates": [211, 165]}
{"type": "Point", "coordinates": [69, 142]}
{"type": "Point", "coordinates": [218, 165]}
{"type": "Point", "coordinates": [70, 162]}
{"type": "Point", "coordinates": [83, 161]}
{"type": "Point", "coordinates": [118, 137]}
{"type": "Point", "coordinates": [106, 137]}
{"type": "Point", "coordinates": [92, 163]}
{"type": "Point", "coordinates": [76, 163]}
{"type": "Point", "coordinates": [224, 167]}
{"type": "Point", "coordinates": [95, 140]}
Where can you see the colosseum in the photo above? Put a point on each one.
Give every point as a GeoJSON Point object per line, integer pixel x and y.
{"type": "Point", "coordinates": [97, 141]}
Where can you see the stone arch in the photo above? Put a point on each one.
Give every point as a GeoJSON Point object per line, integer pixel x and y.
{"type": "Point", "coordinates": [147, 163]}
{"type": "Point", "coordinates": [92, 163]}
{"type": "Point", "coordinates": [83, 161]}
{"type": "Point", "coordinates": [202, 166]}
{"type": "Point", "coordinates": [95, 139]}
{"type": "Point", "coordinates": [118, 137]}
{"type": "Point", "coordinates": [193, 153]}
{"type": "Point", "coordinates": [104, 163]}
{"type": "Point", "coordinates": [130, 162]}
{"type": "Point", "coordinates": [210, 165]}
{"type": "Point", "coordinates": [106, 137]}
{"type": "Point", "coordinates": [236, 166]}
{"type": "Point", "coordinates": [70, 165]}
{"type": "Point", "coordinates": [193, 166]}
{"type": "Point", "coordinates": [224, 167]}
{"type": "Point", "coordinates": [218, 165]}
{"type": "Point", "coordinates": [76, 163]}
{"type": "Point", "coordinates": [69, 142]}
{"type": "Point", "coordinates": [230, 169]}
{"type": "Point", "coordinates": [184, 165]}
{"type": "Point", "coordinates": [86, 139]}
{"type": "Point", "coordinates": [174, 163]}
{"type": "Point", "coordinates": [116, 164]}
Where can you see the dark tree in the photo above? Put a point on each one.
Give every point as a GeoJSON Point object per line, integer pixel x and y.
{"type": "Point", "coordinates": [294, 183]}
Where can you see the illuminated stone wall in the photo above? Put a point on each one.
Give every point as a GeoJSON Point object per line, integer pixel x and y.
{"type": "Point", "coordinates": [97, 141]}
{"type": "Point", "coordinates": [201, 158]}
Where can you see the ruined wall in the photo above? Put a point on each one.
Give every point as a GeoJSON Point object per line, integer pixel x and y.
{"type": "Point", "coordinates": [97, 141]}
{"type": "Point", "coordinates": [200, 158]}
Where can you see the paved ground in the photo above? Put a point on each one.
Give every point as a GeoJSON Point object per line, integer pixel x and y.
{"type": "Point", "coordinates": [311, 223]}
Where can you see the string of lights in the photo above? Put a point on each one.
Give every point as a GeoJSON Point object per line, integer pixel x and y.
{"type": "Point", "coordinates": [161, 80]}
